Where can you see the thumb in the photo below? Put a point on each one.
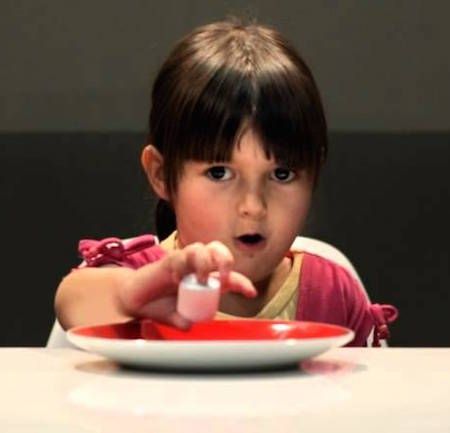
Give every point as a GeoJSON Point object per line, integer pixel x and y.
{"type": "Point", "coordinates": [163, 310]}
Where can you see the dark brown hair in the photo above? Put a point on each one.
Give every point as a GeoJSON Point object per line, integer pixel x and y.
{"type": "Point", "coordinates": [222, 79]}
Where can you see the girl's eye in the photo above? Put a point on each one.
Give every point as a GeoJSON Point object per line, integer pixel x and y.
{"type": "Point", "coordinates": [219, 172]}
{"type": "Point", "coordinates": [283, 174]}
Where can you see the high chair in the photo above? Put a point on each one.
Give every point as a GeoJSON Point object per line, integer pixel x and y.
{"type": "Point", "coordinates": [57, 338]}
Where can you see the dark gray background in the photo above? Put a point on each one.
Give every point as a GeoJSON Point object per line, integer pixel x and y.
{"type": "Point", "coordinates": [87, 65]}
{"type": "Point", "coordinates": [74, 87]}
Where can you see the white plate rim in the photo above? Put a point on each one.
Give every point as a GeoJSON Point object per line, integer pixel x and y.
{"type": "Point", "coordinates": [179, 354]}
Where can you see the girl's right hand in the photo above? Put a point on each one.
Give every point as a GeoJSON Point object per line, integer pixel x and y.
{"type": "Point", "coordinates": [152, 291]}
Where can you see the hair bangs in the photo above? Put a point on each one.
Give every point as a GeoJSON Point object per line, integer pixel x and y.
{"type": "Point", "coordinates": [211, 122]}
{"type": "Point", "coordinates": [291, 130]}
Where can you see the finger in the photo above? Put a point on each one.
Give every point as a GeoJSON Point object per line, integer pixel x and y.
{"type": "Point", "coordinates": [154, 281]}
{"type": "Point", "coordinates": [163, 310]}
{"type": "Point", "coordinates": [223, 260]}
{"type": "Point", "coordinates": [146, 284]}
{"type": "Point", "coordinates": [239, 283]}
{"type": "Point", "coordinates": [178, 265]}
{"type": "Point", "coordinates": [177, 320]}
{"type": "Point", "coordinates": [174, 319]}
{"type": "Point", "coordinates": [200, 261]}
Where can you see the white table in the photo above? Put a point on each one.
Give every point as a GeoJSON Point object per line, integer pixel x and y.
{"type": "Point", "coordinates": [344, 390]}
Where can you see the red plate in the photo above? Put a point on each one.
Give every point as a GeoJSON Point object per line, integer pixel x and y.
{"type": "Point", "coordinates": [217, 330]}
{"type": "Point", "coordinates": [215, 344]}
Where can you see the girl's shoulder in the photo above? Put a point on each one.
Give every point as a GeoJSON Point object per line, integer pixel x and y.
{"type": "Point", "coordinates": [133, 252]}
{"type": "Point", "coordinates": [326, 284]}
{"type": "Point", "coordinates": [328, 275]}
{"type": "Point", "coordinates": [331, 293]}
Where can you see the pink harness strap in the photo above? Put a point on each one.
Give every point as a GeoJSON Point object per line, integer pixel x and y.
{"type": "Point", "coordinates": [382, 316]}
{"type": "Point", "coordinates": [113, 250]}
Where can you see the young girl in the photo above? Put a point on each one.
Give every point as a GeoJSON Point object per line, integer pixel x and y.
{"type": "Point", "coordinates": [237, 138]}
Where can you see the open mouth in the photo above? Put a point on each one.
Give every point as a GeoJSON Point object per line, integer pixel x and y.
{"type": "Point", "coordinates": [250, 241]}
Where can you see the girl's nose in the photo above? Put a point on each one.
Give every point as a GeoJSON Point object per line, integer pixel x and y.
{"type": "Point", "coordinates": [253, 205]}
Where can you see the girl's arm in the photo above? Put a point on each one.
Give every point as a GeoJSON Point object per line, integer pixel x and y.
{"type": "Point", "coordinates": [110, 294]}
{"type": "Point", "coordinates": [90, 296]}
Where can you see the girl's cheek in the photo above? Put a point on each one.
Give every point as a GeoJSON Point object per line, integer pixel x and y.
{"type": "Point", "coordinates": [292, 195]}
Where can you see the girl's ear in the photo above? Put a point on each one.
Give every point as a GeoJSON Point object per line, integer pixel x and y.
{"type": "Point", "coordinates": [153, 164]}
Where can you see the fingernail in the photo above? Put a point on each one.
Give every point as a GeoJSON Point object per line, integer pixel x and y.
{"type": "Point", "coordinates": [202, 278]}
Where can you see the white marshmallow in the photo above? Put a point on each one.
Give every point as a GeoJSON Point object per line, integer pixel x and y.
{"type": "Point", "coordinates": [198, 302]}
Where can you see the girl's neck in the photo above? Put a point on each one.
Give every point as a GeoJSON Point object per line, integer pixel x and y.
{"type": "Point", "coordinates": [275, 280]}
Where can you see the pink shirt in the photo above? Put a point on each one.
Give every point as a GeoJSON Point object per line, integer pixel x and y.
{"type": "Point", "coordinates": [328, 292]}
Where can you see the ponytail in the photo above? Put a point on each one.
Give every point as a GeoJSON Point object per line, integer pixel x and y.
{"type": "Point", "coordinates": [165, 219]}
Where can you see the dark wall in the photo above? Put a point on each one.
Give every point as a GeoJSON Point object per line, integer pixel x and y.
{"type": "Point", "coordinates": [383, 199]}
{"type": "Point", "coordinates": [86, 65]}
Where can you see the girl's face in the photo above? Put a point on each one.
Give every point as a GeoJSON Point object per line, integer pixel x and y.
{"type": "Point", "coordinates": [251, 204]}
